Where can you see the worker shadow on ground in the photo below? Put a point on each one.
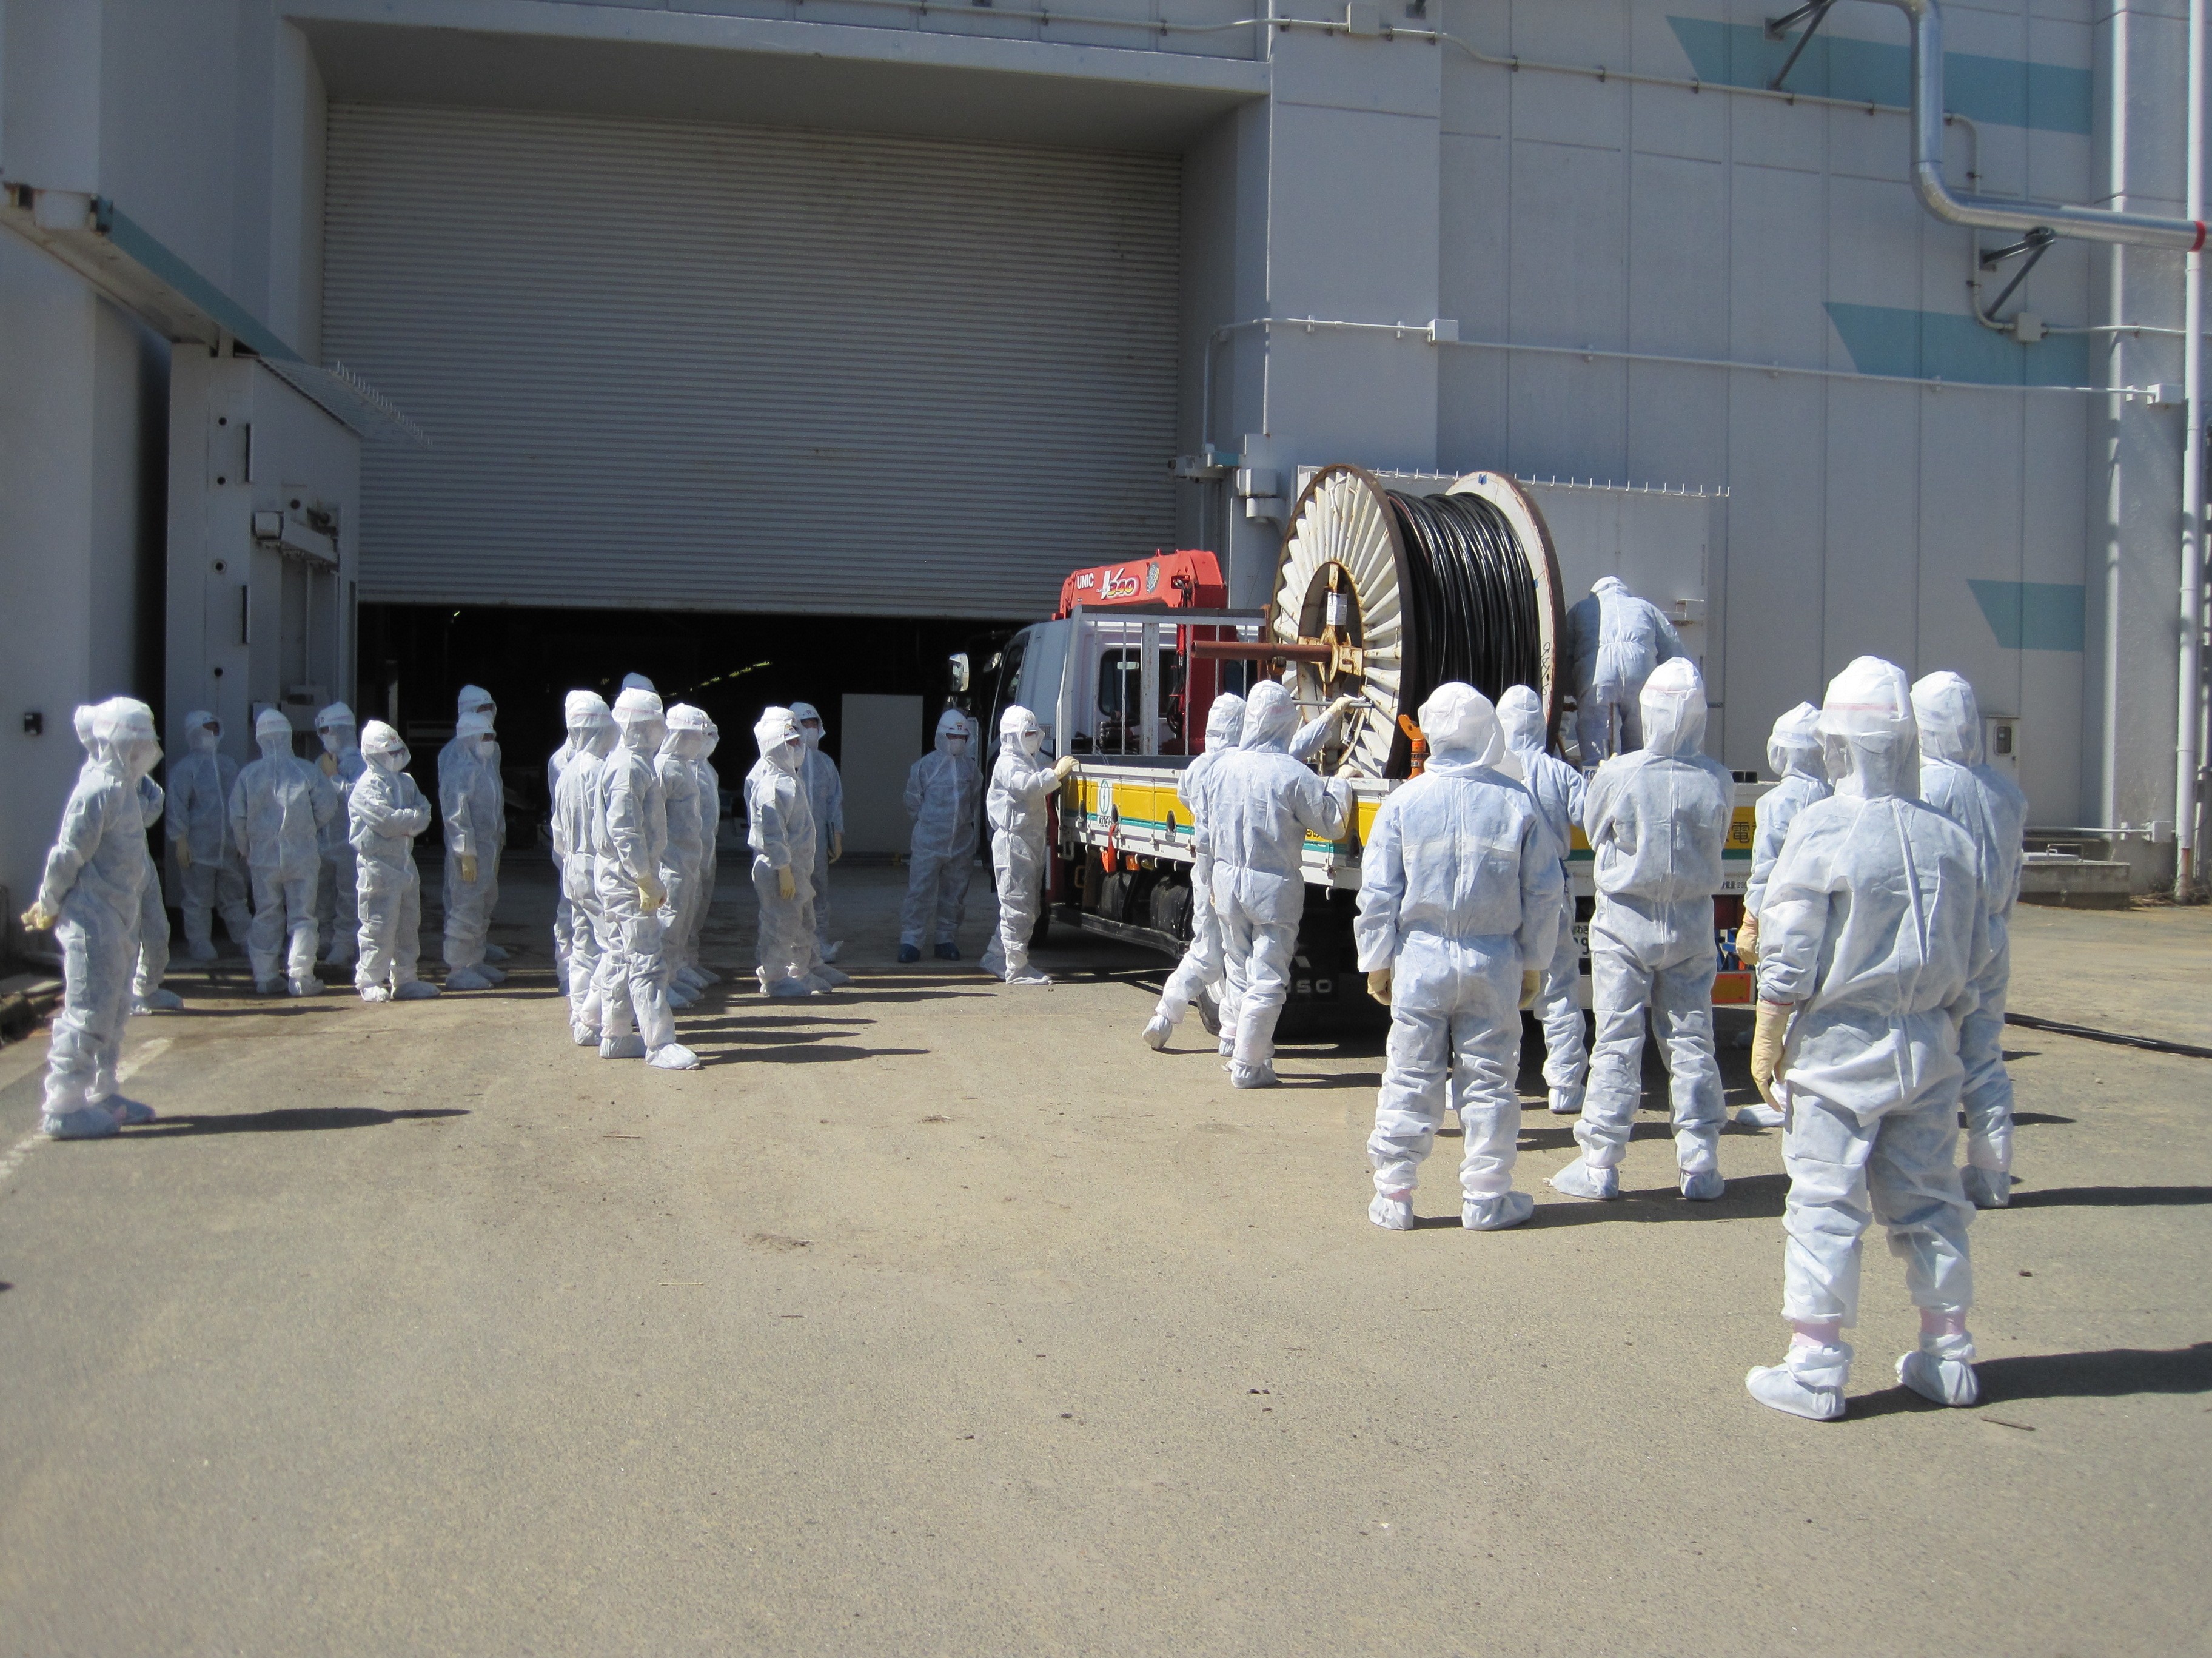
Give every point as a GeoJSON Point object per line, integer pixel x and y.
{"type": "Point", "coordinates": [289, 1119]}
{"type": "Point", "coordinates": [780, 1048]}
{"type": "Point", "coordinates": [2114, 1196]}
{"type": "Point", "coordinates": [1749, 1197]}
{"type": "Point", "coordinates": [250, 1006]}
{"type": "Point", "coordinates": [2110, 1373]}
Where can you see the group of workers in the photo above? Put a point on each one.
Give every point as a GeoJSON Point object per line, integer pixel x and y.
{"type": "Point", "coordinates": [1885, 865]}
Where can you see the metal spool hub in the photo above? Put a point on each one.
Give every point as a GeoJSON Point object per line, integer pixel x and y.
{"type": "Point", "coordinates": [1386, 594]}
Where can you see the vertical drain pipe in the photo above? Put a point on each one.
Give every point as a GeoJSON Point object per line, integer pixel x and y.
{"type": "Point", "coordinates": [2188, 758]}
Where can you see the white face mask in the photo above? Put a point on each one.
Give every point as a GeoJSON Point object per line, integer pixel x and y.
{"type": "Point", "coordinates": [485, 745]}
{"type": "Point", "coordinates": [205, 738]}
{"type": "Point", "coordinates": [1032, 741]}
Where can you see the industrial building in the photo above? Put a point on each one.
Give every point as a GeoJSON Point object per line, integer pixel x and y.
{"type": "Point", "coordinates": [358, 347]}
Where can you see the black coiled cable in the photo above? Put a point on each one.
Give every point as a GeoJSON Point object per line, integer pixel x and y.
{"type": "Point", "coordinates": [1471, 611]}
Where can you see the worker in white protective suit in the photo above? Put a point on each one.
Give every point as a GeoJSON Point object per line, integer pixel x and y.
{"type": "Point", "coordinates": [472, 807]}
{"type": "Point", "coordinates": [1016, 806]}
{"type": "Point", "coordinates": [151, 958]}
{"type": "Point", "coordinates": [1656, 820]}
{"type": "Point", "coordinates": [591, 737]}
{"type": "Point", "coordinates": [208, 871]}
{"type": "Point", "coordinates": [1557, 789]}
{"type": "Point", "coordinates": [95, 882]}
{"type": "Point", "coordinates": [385, 812]}
{"type": "Point", "coordinates": [944, 795]}
{"type": "Point", "coordinates": [780, 832]}
{"type": "Point", "coordinates": [1793, 754]}
{"type": "Point", "coordinates": [638, 682]}
{"type": "Point", "coordinates": [1614, 639]}
{"type": "Point", "coordinates": [278, 809]}
{"type": "Point", "coordinates": [1874, 927]}
{"type": "Point", "coordinates": [1989, 805]}
{"type": "Point", "coordinates": [710, 829]}
{"type": "Point", "coordinates": [564, 908]}
{"type": "Point", "coordinates": [1459, 895]}
{"type": "Point", "coordinates": [1200, 973]}
{"type": "Point", "coordinates": [682, 861]}
{"type": "Point", "coordinates": [337, 915]}
{"type": "Point", "coordinates": [825, 794]}
{"type": "Point", "coordinates": [1265, 804]}
{"type": "Point", "coordinates": [631, 823]}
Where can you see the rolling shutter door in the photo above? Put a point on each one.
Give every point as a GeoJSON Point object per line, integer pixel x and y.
{"type": "Point", "coordinates": [666, 365]}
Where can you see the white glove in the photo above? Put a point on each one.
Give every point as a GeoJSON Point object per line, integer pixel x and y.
{"type": "Point", "coordinates": [651, 893]}
{"type": "Point", "coordinates": [1746, 941]}
{"type": "Point", "coordinates": [1379, 985]}
{"type": "Point", "coordinates": [1529, 980]}
{"type": "Point", "coordinates": [1772, 1023]}
{"type": "Point", "coordinates": [786, 883]}
{"type": "Point", "coordinates": [469, 867]}
{"type": "Point", "coordinates": [1062, 768]}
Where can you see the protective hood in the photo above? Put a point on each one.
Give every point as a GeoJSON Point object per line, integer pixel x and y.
{"type": "Point", "coordinates": [1870, 738]}
{"type": "Point", "coordinates": [1794, 746]}
{"type": "Point", "coordinates": [1674, 703]}
{"type": "Point", "coordinates": [475, 699]}
{"type": "Point", "coordinates": [687, 732]}
{"type": "Point", "coordinates": [1520, 715]}
{"type": "Point", "coordinates": [683, 717]}
{"type": "Point", "coordinates": [1271, 718]}
{"type": "Point", "coordinates": [1461, 728]}
{"type": "Point", "coordinates": [202, 731]}
{"type": "Point", "coordinates": [1225, 722]}
{"type": "Point", "coordinates": [585, 711]}
{"type": "Point", "coordinates": [272, 732]}
{"type": "Point", "coordinates": [125, 727]}
{"type": "Point", "coordinates": [1018, 730]}
{"type": "Point", "coordinates": [634, 705]}
{"type": "Point", "coordinates": [1949, 721]}
{"type": "Point", "coordinates": [1608, 584]}
{"type": "Point", "coordinates": [334, 725]}
{"type": "Point", "coordinates": [804, 711]}
{"type": "Point", "coordinates": [777, 734]}
{"type": "Point", "coordinates": [473, 729]}
{"type": "Point", "coordinates": [381, 746]}
{"type": "Point", "coordinates": [714, 741]}
{"type": "Point", "coordinates": [950, 724]}
{"type": "Point", "coordinates": [83, 722]}
{"type": "Point", "coordinates": [637, 681]}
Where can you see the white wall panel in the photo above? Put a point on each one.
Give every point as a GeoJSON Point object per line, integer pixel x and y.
{"type": "Point", "coordinates": [1871, 569]}
{"type": "Point", "coordinates": [1570, 246]}
{"type": "Point", "coordinates": [1775, 553]}
{"type": "Point", "coordinates": [1777, 270]}
{"type": "Point", "coordinates": [1678, 269]}
{"type": "Point", "coordinates": [686, 366]}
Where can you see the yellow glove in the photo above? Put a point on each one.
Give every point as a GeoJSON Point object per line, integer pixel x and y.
{"type": "Point", "coordinates": [38, 918]}
{"type": "Point", "coordinates": [469, 867]}
{"type": "Point", "coordinates": [1379, 985]}
{"type": "Point", "coordinates": [786, 883]}
{"type": "Point", "coordinates": [1062, 768]}
{"type": "Point", "coordinates": [651, 894]}
{"type": "Point", "coordinates": [184, 854]}
{"type": "Point", "coordinates": [836, 847]}
{"type": "Point", "coordinates": [1746, 941]}
{"type": "Point", "coordinates": [1773, 1022]}
{"type": "Point", "coordinates": [1530, 982]}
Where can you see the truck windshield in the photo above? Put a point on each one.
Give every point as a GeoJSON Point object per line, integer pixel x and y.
{"type": "Point", "coordinates": [1121, 698]}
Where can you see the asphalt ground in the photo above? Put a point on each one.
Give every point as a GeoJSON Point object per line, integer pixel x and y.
{"type": "Point", "coordinates": [939, 1317]}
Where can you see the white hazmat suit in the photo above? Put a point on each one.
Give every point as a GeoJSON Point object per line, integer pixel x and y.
{"type": "Point", "coordinates": [1874, 927]}
{"type": "Point", "coordinates": [1657, 820]}
{"type": "Point", "coordinates": [1201, 972]}
{"type": "Point", "coordinates": [1265, 804]}
{"type": "Point", "coordinates": [338, 915]}
{"type": "Point", "coordinates": [780, 832]}
{"type": "Point", "coordinates": [1614, 639]}
{"type": "Point", "coordinates": [944, 796]}
{"type": "Point", "coordinates": [1793, 754]}
{"type": "Point", "coordinates": [208, 870]}
{"type": "Point", "coordinates": [825, 794]}
{"type": "Point", "coordinates": [591, 736]}
{"type": "Point", "coordinates": [472, 807]}
{"type": "Point", "coordinates": [582, 713]}
{"type": "Point", "coordinates": [95, 882]}
{"type": "Point", "coordinates": [1557, 789]}
{"type": "Point", "coordinates": [710, 828]}
{"type": "Point", "coordinates": [278, 807]}
{"type": "Point", "coordinates": [152, 955]}
{"type": "Point", "coordinates": [682, 862]}
{"type": "Point", "coordinates": [384, 813]}
{"type": "Point", "coordinates": [1461, 887]}
{"type": "Point", "coordinates": [1016, 805]}
{"type": "Point", "coordinates": [631, 824]}
{"type": "Point", "coordinates": [1989, 806]}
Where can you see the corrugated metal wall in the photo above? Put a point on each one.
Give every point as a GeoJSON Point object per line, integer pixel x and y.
{"type": "Point", "coordinates": [670, 365]}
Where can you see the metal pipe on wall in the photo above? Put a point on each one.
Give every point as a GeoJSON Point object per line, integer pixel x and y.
{"type": "Point", "coordinates": [2189, 757]}
{"type": "Point", "coordinates": [1999, 213]}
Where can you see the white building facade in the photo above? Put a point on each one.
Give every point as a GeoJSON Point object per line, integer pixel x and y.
{"type": "Point", "coordinates": [883, 308]}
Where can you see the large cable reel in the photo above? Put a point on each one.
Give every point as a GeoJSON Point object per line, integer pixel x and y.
{"type": "Point", "coordinates": [1386, 594]}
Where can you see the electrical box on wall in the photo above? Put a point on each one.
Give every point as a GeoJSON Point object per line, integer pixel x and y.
{"type": "Point", "coordinates": [2001, 742]}
{"type": "Point", "coordinates": [264, 501]}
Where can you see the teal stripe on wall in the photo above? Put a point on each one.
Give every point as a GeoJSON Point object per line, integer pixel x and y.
{"type": "Point", "coordinates": [2033, 616]}
{"type": "Point", "coordinates": [1885, 339]}
{"type": "Point", "coordinates": [2003, 90]}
